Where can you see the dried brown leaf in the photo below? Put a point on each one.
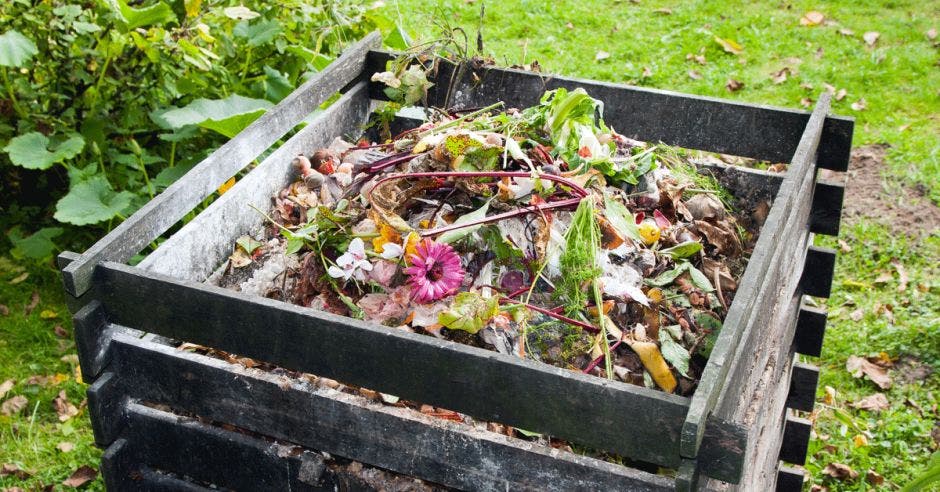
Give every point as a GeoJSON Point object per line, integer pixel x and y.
{"type": "Point", "coordinates": [647, 73]}
{"type": "Point", "coordinates": [4, 310]}
{"type": "Point", "coordinates": [874, 478]}
{"type": "Point", "coordinates": [60, 331]}
{"type": "Point", "coordinates": [931, 33]}
{"type": "Point", "coordinates": [871, 37]}
{"type": "Point", "coordinates": [11, 469]}
{"type": "Point", "coordinates": [14, 405]}
{"type": "Point", "coordinates": [840, 94]}
{"type": "Point", "coordinates": [873, 403]}
{"type": "Point", "coordinates": [812, 18]}
{"type": "Point", "coordinates": [81, 476]}
{"type": "Point", "coordinates": [883, 278]}
{"type": "Point", "coordinates": [902, 275]}
{"type": "Point", "coordinates": [806, 102]}
{"type": "Point", "coordinates": [860, 105]}
{"type": "Point", "coordinates": [663, 11]}
{"type": "Point", "coordinates": [569, 25]}
{"type": "Point", "coordinates": [734, 85]}
{"type": "Point", "coordinates": [859, 366]}
{"type": "Point", "coordinates": [700, 59]}
{"type": "Point", "coordinates": [839, 471]}
{"type": "Point", "coordinates": [33, 302]}
{"type": "Point", "coordinates": [65, 446]}
{"type": "Point", "coordinates": [857, 315]}
{"type": "Point", "coordinates": [830, 397]}
{"type": "Point", "coordinates": [6, 387]}
{"type": "Point", "coordinates": [730, 45]}
{"type": "Point", "coordinates": [601, 55]}
{"type": "Point", "coordinates": [860, 440]}
{"type": "Point", "coordinates": [844, 247]}
{"type": "Point", "coordinates": [695, 75]}
{"type": "Point", "coordinates": [846, 32]}
{"type": "Point", "coordinates": [63, 407]}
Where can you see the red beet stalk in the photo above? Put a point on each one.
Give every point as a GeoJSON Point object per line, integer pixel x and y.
{"type": "Point", "coordinates": [594, 363]}
{"type": "Point", "coordinates": [552, 314]}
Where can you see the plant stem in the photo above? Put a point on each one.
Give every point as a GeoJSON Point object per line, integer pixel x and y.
{"type": "Point", "coordinates": [547, 312]}
{"type": "Point", "coordinates": [455, 122]}
{"type": "Point", "coordinates": [16, 104]}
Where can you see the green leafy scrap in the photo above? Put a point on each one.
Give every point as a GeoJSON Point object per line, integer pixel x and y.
{"type": "Point", "coordinates": [674, 353]}
{"type": "Point", "coordinates": [470, 312]}
{"type": "Point", "coordinates": [132, 18]}
{"type": "Point", "coordinates": [36, 246]}
{"type": "Point", "coordinates": [33, 150]}
{"type": "Point", "coordinates": [226, 116]}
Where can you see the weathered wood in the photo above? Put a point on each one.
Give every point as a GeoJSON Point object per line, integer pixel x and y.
{"type": "Point", "coordinates": [818, 272]}
{"type": "Point", "coordinates": [723, 450]}
{"type": "Point", "coordinates": [716, 125]}
{"type": "Point", "coordinates": [106, 405]}
{"type": "Point", "coordinates": [200, 246]}
{"type": "Point", "coordinates": [159, 214]}
{"type": "Point", "coordinates": [810, 330]}
{"type": "Point", "coordinates": [404, 441]}
{"type": "Point", "coordinates": [827, 208]}
{"type": "Point", "coordinates": [485, 384]}
{"type": "Point", "coordinates": [795, 440]}
{"type": "Point", "coordinates": [687, 475]}
{"type": "Point", "coordinates": [90, 324]}
{"type": "Point", "coordinates": [803, 381]}
{"type": "Point", "coordinates": [739, 321]}
{"type": "Point", "coordinates": [122, 471]}
{"type": "Point", "coordinates": [790, 479]}
{"type": "Point", "coordinates": [210, 454]}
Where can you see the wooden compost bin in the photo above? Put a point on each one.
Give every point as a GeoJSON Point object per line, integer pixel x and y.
{"type": "Point", "coordinates": [170, 419]}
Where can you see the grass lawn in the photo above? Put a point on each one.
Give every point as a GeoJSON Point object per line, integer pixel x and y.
{"type": "Point", "coordinates": [893, 84]}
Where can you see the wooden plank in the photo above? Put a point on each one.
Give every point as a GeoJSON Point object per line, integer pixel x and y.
{"type": "Point", "coordinates": [810, 330]}
{"type": "Point", "coordinates": [404, 441]}
{"type": "Point", "coordinates": [210, 454]}
{"type": "Point", "coordinates": [90, 323]}
{"type": "Point", "coordinates": [795, 440]}
{"type": "Point", "coordinates": [106, 406]}
{"type": "Point", "coordinates": [723, 451]}
{"type": "Point", "coordinates": [803, 381]}
{"type": "Point", "coordinates": [790, 479]}
{"type": "Point", "coordinates": [818, 272]}
{"type": "Point", "coordinates": [122, 471]}
{"type": "Point", "coordinates": [717, 125]}
{"type": "Point", "coordinates": [195, 251]}
{"type": "Point", "coordinates": [159, 214]}
{"type": "Point", "coordinates": [827, 208]}
{"type": "Point", "coordinates": [537, 397]}
{"type": "Point", "coordinates": [740, 314]}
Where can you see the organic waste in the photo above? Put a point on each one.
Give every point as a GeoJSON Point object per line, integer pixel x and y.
{"type": "Point", "coordinates": [540, 233]}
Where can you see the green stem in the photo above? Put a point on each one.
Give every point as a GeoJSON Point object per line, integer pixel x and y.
{"type": "Point", "coordinates": [16, 104]}
{"type": "Point", "coordinates": [104, 70]}
{"type": "Point", "coordinates": [455, 122]}
{"type": "Point", "coordinates": [245, 66]}
{"type": "Point", "coordinates": [172, 154]}
{"type": "Point", "coordinates": [143, 170]}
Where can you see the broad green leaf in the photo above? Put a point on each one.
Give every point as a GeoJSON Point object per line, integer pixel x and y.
{"type": "Point", "coordinates": [451, 236]}
{"type": "Point", "coordinates": [257, 33]}
{"type": "Point", "coordinates": [398, 39]}
{"type": "Point", "coordinates": [276, 85]}
{"type": "Point", "coordinates": [240, 12]}
{"type": "Point", "coordinates": [699, 279]}
{"type": "Point", "coordinates": [91, 201]}
{"type": "Point", "coordinates": [37, 246]}
{"type": "Point", "coordinates": [33, 151]}
{"type": "Point", "coordinates": [674, 353]}
{"type": "Point", "coordinates": [132, 18]}
{"type": "Point", "coordinates": [16, 49]}
{"type": "Point", "coordinates": [667, 277]}
{"type": "Point", "coordinates": [683, 250]}
{"type": "Point", "coordinates": [248, 244]}
{"type": "Point", "coordinates": [621, 218]}
{"type": "Point", "coordinates": [227, 116]}
{"type": "Point", "coordinates": [169, 175]}
{"type": "Point", "coordinates": [470, 312]}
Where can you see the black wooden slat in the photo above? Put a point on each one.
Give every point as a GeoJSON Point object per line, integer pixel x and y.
{"type": "Point", "coordinates": [758, 131]}
{"type": "Point", "coordinates": [818, 272]}
{"type": "Point", "coordinates": [790, 479]}
{"type": "Point", "coordinates": [795, 440]}
{"type": "Point", "coordinates": [187, 447]}
{"type": "Point", "coordinates": [827, 208]}
{"type": "Point", "coordinates": [442, 452]}
{"type": "Point", "coordinates": [772, 248]}
{"type": "Point", "coordinates": [159, 214]}
{"type": "Point", "coordinates": [123, 472]}
{"type": "Point", "coordinates": [90, 324]}
{"type": "Point", "coordinates": [722, 454]}
{"type": "Point", "coordinates": [810, 330]}
{"type": "Point", "coordinates": [485, 384]}
{"type": "Point", "coordinates": [803, 381]}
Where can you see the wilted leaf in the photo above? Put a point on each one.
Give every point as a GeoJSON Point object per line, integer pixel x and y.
{"type": "Point", "coordinates": [11, 469]}
{"type": "Point", "coordinates": [873, 403]}
{"type": "Point", "coordinates": [226, 186]}
{"type": "Point", "coordinates": [81, 476]}
{"type": "Point", "coordinates": [871, 37]}
{"type": "Point", "coordinates": [860, 105]}
{"type": "Point", "coordinates": [32, 150]}
{"type": "Point", "coordinates": [239, 258]}
{"type": "Point", "coordinates": [830, 396]}
{"type": "Point", "coordinates": [733, 85]}
{"type": "Point", "coordinates": [663, 11]}
{"type": "Point", "coordinates": [674, 353]}
{"type": "Point", "coordinates": [63, 407]}
{"type": "Point", "coordinates": [65, 446]}
{"type": "Point", "coordinates": [33, 302]}
{"type": "Point", "coordinates": [840, 94]}
{"type": "Point", "coordinates": [470, 312]}
{"type": "Point", "coordinates": [874, 478]}
{"type": "Point", "coordinates": [859, 366]}
{"type": "Point", "coordinates": [857, 315]}
{"type": "Point", "coordinates": [4, 310]}
{"type": "Point", "coordinates": [812, 18]}
{"type": "Point", "coordinates": [13, 405]}
{"type": "Point", "coordinates": [6, 386]}
{"type": "Point", "coordinates": [15, 49]}
{"type": "Point", "coordinates": [451, 236]}
{"type": "Point", "coordinates": [240, 12]}
{"type": "Point", "coordinates": [132, 18]}
{"type": "Point", "coordinates": [780, 76]}
{"type": "Point", "coordinates": [931, 33]}
{"type": "Point", "coordinates": [695, 75]}
{"type": "Point", "coordinates": [60, 332]}
{"type": "Point", "coordinates": [91, 201]}
{"type": "Point", "coordinates": [647, 73]}
{"type": "Point", "coordinates": [902, 275]}
{"type": "Point", "coordinates": [860, 440]}
{"type": "Point", "coordinates": [227, 116]}
{"type": "Point", "coordinates": [48, 314]}
{"type": "Point", "coordinates": [806, 102]}
{"type": "Point", "coordinates": [730, 45]}
{"type": "Point", "coordinates": [846, 32]}
{"type": "Point", "coordinates": [839, 471]}
{"type": "Point", "coordinates": [19, 278]}
{"type": "Point", "coordinates": [700, 59]}
{"type": "Point", "coordinates": [683, 250]}
{"type": "Point", "coordinates": [601, 55]}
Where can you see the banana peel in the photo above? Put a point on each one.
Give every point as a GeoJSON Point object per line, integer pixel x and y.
{"type": "Point", "coordinates": [654, 363]}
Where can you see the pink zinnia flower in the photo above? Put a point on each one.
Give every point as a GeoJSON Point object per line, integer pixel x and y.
{"type": "Point", "coordinates": [435, 271]}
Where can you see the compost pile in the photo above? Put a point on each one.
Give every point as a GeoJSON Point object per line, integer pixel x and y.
{"type": "Point", "coordinates": [540, 233]}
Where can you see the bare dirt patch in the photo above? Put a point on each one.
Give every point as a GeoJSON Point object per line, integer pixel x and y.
{"type": "Point", "coordinates": [870, 194]}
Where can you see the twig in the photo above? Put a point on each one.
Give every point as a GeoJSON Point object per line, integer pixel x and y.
{"type": "Point", "coordinates": [721, 298]}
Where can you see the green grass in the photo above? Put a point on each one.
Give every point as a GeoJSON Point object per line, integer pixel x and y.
{"type": "Point", "coordinates": [898, 78]}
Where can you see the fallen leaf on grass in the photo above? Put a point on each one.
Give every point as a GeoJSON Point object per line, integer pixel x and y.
{"type": "Point", "coordinates": [48, 314]}
{"type": "Point", "coordinates": [812, 18]}
{"type": "Point", "coordinates": [730, 45]}
{"type": "Point", "coordinates": [902, 275]}
{"type": "Point", "coordinates": [19, 278]}
{"type": "Point", "coordinates": [846, 32]}
{"type": "Point", "coordinates": [647, 73]}
{"type": "Point", "coordinates": [830, 397]}
{"type": "Point", "coordinates": [806, 102]}
{"type": "Point", "coordinates": [6, 387]}
{"type": "Point", "coordinates": [883, 278]}
{"type": "Point", "coordinates": [4, 310]}
{"type": "Point", "coordinates": [700, 59]}
{"type": "Point", "coordinates": [860, 440]}
{"type": "Point", "coordinates": [65, 446]}
{"type": "Point", "coordinates": [694, 75]}
{"type": "Point", "coordinates": [63, 407]}
{"type": "Point", "coordinates": [874, 478]}
{"type": "Point", "coordinates": [601, 56]}
{"type": "Point", "coordinates": [931, 33]}
{"type": "Point", "coordinates": [860, 105]}
{"type": "Point", "coordinates": [871, 37]}
{"type": "Point", "coordinates": [60, 332]}
{"type": "Point", "coordinates": [873, 403]}
{"type": "Point", "coordinates": [81, 476]}
{"type": "Point", "coordinates": [663, 11]}
{"type": "Point", "coordinates": [839, 471]}
{"type": "Point", "coordinates": [844, 247]}
{"type": "Point", "coordinates": [733, 85]}
{"type": "Point", "coordinates": [11, 469]}
{"type": "Point", "coordinates": [858, 366]}
{"type": "Point", "coordinates": [33, 302]}
{"type": "Point", "coordinates": [857, 315]}
{"type": "Point", "coordinates": [569, 25]}
{"type": "Point", "coordinates": [14, 405]}
{"type": "Point", "coordinates": [840, 94]}
{"type": "Point", "coordinates": [780, 76]}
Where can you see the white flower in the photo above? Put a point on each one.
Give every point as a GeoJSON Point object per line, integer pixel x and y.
{"type": "Point", "coordinates": [392, 251]}
{"type": "Point", "coordinates": [352, 263]}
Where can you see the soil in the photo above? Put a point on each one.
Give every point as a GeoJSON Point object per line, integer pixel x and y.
{"type": "Point", "coordinates": [870, 194]}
